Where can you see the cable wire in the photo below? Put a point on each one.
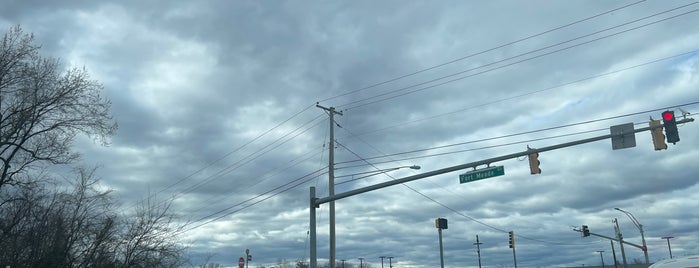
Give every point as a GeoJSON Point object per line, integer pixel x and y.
{"type": "Point", "coordinates": [398, 94]}
{"type": "Point", "coordinates": [483, 51]}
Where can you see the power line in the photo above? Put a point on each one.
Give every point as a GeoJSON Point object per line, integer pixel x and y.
{"type": "Point", "coordinates": [301, 179]}
{"type": "Point", "coordinates": [484, 51]}
{"type": "Point", "coordinates": [249, 158]}
{"type": "Point", "coordinates": [507, 59]}
{"type": "Point", "coordinates": [536, 91]}
{"type": "Point", "coordinates": [210, 164]}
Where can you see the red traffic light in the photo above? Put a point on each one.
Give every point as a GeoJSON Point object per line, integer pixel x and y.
{"type": "Point", "coordinates": [668, 116]}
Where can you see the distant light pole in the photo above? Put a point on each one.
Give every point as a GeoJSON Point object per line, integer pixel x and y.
{"type": "Point", "coordinates": [640, 228]}
{"type": "Point", "coordinates": [361, 262]}
{"type": "Point", "coordinates": [343, 263]}
{"type": "Point", "coordinates": [668, 243]}
{"type": "Point", "coordinates": [382, 257]}
{"type": "Point", "coordinates": [390, 265]}
{"type": "Point", "coordinates": [600, 256]}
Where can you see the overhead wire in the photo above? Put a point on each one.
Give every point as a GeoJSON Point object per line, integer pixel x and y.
{"type": "Point", "coordinates": [249, 158]}
{"type": "Point", "coordinates": [644, 64]}
{"type": "Point", "coordinates": [295, 183]}
{"type": "Point", "coordinates": [483, 51]}
{"type": "Point", "coordinates": [226, 155]}
{"type": "Point", "coordinates": [369, 100]}
{"type": "Point", "coordinates": [433, 200]}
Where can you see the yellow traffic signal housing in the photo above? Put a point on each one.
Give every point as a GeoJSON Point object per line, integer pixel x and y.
{"type": "Point", "coordinates": [658, 137]}
{"type": "Point", "coordinates": [534, 163]}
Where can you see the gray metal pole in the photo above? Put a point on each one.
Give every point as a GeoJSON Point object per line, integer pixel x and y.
{"type": "Point", "coordinates": [643, 239]}
{"type": "Point", "coordinates": [601, 257]}
{"type": "Point", "coordinates": [514, 255]}
{"type": "Point", "coordinates": [314, 256]}
{"type": "Point", "coordinates": [441, 249]}
{"type": "Point", "coordinates": [621, 241]}
{"type": "Point", "coordinates": [613, 253]}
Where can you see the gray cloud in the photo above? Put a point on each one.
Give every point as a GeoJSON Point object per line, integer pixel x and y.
{"type": "Point", "coordinates": [197, 86]}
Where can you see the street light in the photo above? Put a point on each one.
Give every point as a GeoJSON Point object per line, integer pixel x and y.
{"type": "Point", "coordinates": [668, 244]}
{"type": "Point", "coordinates": [373, 173]}
{"type": "Point", "coordinates": [640, 228]}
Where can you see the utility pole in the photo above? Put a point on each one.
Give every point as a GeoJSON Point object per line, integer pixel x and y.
{"type": "Point", "coordinates": [361, 262]}
{"type": "Point", "coordinates": [600, 256]}
{"type": "Point", "coordinates": [478, 249]}
{"type": "Point", "coordinates": [331, 179]}
{"type": "Point", "coordinates": [390, 265]}
{"type": "Point", "coordinates": [382, 257]}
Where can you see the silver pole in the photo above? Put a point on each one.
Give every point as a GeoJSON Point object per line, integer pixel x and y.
{"type": "Point", "coordinates": [314, 256]}
{"type": "Point", "coordinates": [620, 238]}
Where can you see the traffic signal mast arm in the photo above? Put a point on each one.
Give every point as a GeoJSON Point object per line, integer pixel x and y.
{"type": "Point", "coordinates": [318, 201]}
{"type": "Point", "coordinates": [611, 238]}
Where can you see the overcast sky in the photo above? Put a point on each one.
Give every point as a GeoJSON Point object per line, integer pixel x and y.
{"type": "Point", "coordinates": [215, 102]}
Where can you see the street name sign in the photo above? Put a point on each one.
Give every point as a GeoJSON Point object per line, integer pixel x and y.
{"type": "Point", "coordinates": [482, 174]}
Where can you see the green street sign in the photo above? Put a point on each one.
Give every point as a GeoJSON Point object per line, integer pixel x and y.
{"type": "Point", "coordinates": [482, 174]}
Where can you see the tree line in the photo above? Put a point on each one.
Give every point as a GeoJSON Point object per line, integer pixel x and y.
{"type": "Point", "coordinates": [67, 219]}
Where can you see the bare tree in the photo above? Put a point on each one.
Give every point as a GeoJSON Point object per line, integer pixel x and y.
{"type": "Point", "coordinates": [151, 237]}
{"type": "Point", "coordinates": [42, 109]}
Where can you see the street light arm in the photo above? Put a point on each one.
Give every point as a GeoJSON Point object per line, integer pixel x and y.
{"type": "Point", "coordinates": [632, 218]}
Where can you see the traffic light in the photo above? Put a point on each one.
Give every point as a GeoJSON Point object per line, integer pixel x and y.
{"type": "Point", "coordinates": [670, 126]}
{"type": "Point", "coordinates": [534, 163]}
{"type": "Point", "coordinates": [657, 134]}
{"type": "Point", "coordinates": [512, 239]}
{"type": "Point", "coordinates": [585, 231]}
{"type": "Point", "coordinates": [440, 223]}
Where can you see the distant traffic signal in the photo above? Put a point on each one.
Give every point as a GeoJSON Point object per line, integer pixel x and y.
{"type": "Point", "coordinates": [670, 126]}
{"type": "Point", "coordinates": [440, 223]}
{"type": "Point", "coordinates": [512, 239]}
{"type": "Point", "coordinates": [657, 134]}
{"type": "Point", "coordinates": [585, 231]}
{"type": "Point", "coordinates": [534, 163]}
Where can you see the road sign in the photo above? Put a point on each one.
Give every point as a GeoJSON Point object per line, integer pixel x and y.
{"type": "Point", "coordinates": [241, 262]}
{"type": "Point", "coordinates": [482, 174]}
